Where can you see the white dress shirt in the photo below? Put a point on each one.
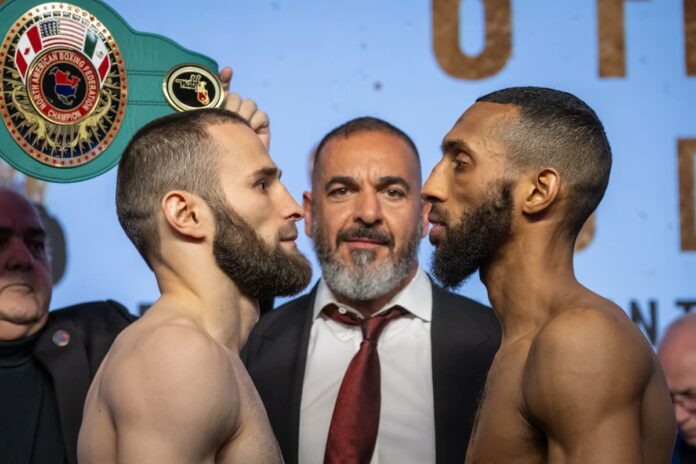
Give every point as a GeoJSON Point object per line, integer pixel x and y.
{"type": "Point", "coordinates": [407, 421]}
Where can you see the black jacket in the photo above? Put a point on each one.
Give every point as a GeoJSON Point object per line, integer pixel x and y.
{"type": "Point", "coordinates": [92, 328]}
{"type": "Point", "coordinates": [465, 336]}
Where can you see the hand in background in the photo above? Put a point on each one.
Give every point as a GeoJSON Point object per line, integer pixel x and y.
{"type": "Point", "coordinates": [246, 108]}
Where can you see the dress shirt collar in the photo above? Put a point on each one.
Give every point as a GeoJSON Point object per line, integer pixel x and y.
{"type": "Point", "coordinates": [416, 298]}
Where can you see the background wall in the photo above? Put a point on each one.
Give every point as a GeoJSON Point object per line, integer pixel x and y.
{"type": "Point", "coordinates": [315, 64]}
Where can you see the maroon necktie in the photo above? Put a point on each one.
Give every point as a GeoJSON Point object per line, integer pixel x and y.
{"type": "Point", "coordinates": [355, 419]}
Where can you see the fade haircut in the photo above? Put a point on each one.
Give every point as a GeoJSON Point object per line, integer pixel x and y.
{"type": "Point", "coordinates": [174, 152]}
{"type": "Point", "coordinates": [557, 129]}
{"type": "Point", "coordinates": [359, 125]}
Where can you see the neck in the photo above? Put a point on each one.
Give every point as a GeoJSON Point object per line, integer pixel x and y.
{"type": "Point", "coordinates": [210, 300]}
{"type": "Point", "coordinates": [526, 281]}
{"type": "Point", "coordinates": [369, 307]}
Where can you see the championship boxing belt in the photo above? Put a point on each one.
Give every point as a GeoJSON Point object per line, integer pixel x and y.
{"type": "Point", "coordinates": [77, 82]}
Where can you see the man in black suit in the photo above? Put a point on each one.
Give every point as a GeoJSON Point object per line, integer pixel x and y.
{"type": "Point", "coordinates": [366, 219]}
{"type": "Point", "coordinates": [47, 359]}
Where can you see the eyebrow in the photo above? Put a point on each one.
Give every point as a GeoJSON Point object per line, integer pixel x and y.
{"type": "Point", "coordinates": [456, 145]}
{"type": "Point", "coordinates": [35, 232]}
{"type": "Point", "coordinates": [30, 232]}
{"type": "Point", "coordinates": [345, 180]}
{"type": "Point", "coordinates": [386, 181]}
{"type": "Point", "coordinates": [267, 172]}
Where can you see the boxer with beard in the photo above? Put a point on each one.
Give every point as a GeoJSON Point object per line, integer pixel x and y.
{"type": "Point", "coordinates": [202, 201]}
{"type": "Point", "coordinates": [574, 380]}
{"type": "Point", "coordinates": [411, 403]}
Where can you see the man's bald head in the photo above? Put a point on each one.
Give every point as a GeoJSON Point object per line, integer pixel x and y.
{"type": "Point", "coordinates": [680, 335]}
{"type": "Point", "coordinates": [677, 353]}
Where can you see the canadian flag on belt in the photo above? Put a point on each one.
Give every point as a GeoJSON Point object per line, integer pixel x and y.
{"type": "Point", "coordinates": [28, 46]}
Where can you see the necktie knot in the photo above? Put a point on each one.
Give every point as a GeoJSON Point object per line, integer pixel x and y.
{"type": "Point", "coordinates": [372, 327]}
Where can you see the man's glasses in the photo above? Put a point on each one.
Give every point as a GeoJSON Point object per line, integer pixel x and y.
{"type": "Point", "coordinates": [685, 398]}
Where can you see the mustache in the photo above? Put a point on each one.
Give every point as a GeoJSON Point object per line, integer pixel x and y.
{"type": "Point", "coordinates": [289, 230]}
{"type": "Point", "coordinates": [365, 232]}
{"type": "Point", "coordinates": [438, 215]}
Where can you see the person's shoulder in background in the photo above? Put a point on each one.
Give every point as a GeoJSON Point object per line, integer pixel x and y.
{"type": "Point", "coordinates": [95, 324]}
{"type": "Point", "coordinates": [103, 313]}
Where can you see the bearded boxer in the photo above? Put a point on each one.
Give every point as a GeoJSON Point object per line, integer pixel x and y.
{"type": "Point", "coordinates": [202, 201]}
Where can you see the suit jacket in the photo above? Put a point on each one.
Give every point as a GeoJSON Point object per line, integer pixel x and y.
{"type": "Point", "coordinates": [92, 328]}
{"type": "Point", "coordinates": [683, 452]}
{"type": "Point", "coordinates": [465, 336]}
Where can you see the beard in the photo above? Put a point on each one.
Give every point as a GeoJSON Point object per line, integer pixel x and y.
{"type": "Point", "coordinates": [259, 270]}
{"type": "Point", "coordinates": [476, 239]}
{"type": "Point", "coordinates": [365, 279]}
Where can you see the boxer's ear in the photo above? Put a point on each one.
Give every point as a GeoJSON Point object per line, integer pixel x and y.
{"type": "Point", "coordinates": [425, 212]}
{"type": "Point", "coordinates": [307, 206]}
{"type": "Point", "coordinates": [542, 188]}
{"type": "Point", "coordinates": [187, 214]}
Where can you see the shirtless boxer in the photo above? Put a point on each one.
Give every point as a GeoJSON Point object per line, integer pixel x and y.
{"type": "Point", "coordinates": [200, 198]}
{"type": "Point", "coordinates": [574, 380]}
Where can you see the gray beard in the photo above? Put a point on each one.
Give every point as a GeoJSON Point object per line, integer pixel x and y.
{"type": "Point", "coordinates": [365, 280]}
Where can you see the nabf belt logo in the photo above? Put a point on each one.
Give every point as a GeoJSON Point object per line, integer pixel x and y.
{"type": "Point", "coordinates": [63, 94]}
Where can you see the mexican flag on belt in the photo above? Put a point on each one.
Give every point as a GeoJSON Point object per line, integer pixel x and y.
{"type": "Point", "coordinates": [96, 51]}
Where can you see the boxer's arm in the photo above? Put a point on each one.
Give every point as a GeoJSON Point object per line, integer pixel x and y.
{"type": "Point", "coordinates": [582, 387]}
{"type": "Point", "coordinates": [174, 401]}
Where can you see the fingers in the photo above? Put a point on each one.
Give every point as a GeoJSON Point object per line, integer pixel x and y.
{"type": "Point", "coordinates": [232, 102]}
{"type": "Point", "coordinates": [247, 109]}
{"type": "Point", "coordinates": [259, 120]}
{"type": "Point", "coordinates": [225, 77]}
{"type": "Point", "coordinates": [244, 108]}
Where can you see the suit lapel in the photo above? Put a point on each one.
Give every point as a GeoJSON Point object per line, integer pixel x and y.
{"type": "Point", "coordinates": [457, 376]}
{"type": "Point", "coordinates": [282, 354]}
{"type": "Point", "coordinates": [69, 369]}
{"type": "Point", "coordinates": [298, 378]}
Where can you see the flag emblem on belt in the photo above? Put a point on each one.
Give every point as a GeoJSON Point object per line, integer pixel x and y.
{"type": "Point", "coordinates": [64, 87]}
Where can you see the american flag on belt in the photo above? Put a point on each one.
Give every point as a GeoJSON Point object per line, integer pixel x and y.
{"type": "Point", "coordinates": [62, 31]}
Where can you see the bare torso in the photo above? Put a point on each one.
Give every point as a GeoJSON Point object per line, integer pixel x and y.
{"type": "Point", "coordinates": [517, 422]}
{"type": "Point", "coordinates": [174, 406]}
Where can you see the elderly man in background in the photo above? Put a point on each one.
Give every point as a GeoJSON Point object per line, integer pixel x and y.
{"type": "Point", "coordinates": [376, 363]}
{"type": "Point", "coordinates": [677, 353]}
{"type": "Point", "coordinates": [47, 359]}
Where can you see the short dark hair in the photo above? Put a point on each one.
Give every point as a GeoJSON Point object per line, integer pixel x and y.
{"type": "Point", "coordinates": [359, 125]}
{"type": "Point", "coordinates": [559, 130]}
{"type": "Point", "coordinates": [171, 152]}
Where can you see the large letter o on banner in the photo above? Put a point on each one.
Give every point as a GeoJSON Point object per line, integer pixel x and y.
{"type": "Point", "coordinates": [446, 23]}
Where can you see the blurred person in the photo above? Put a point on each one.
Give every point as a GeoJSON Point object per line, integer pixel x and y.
{"type": "Point", "coordinates": [574, 380]}
{"type": "Point", "coordinates": [677, 353]}
{"type": "Point", "coordinates": [376, 363]}
{"type": "Point", "coordinates": [47, 359]}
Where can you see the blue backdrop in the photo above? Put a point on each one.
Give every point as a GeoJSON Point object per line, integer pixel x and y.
{"type": "Point", "coordinates": [315, 64]}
